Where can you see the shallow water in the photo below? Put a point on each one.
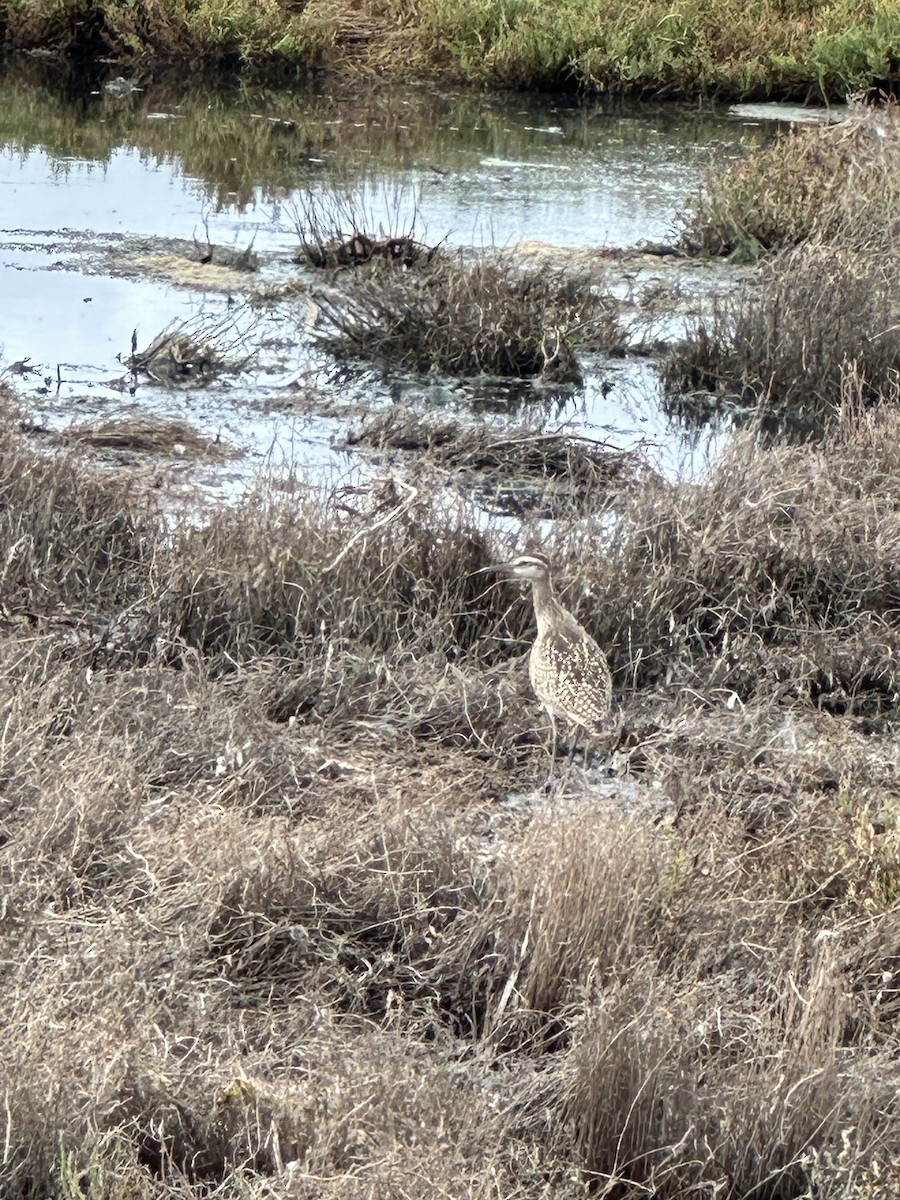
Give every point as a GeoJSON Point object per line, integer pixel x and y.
{"type": "Point", "coordinates": [85, 179]}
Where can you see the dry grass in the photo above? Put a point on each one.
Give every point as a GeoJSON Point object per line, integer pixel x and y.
{"type": "Point", "coordinates": [775, 578]}
{"type": "Point", "coordinates": [832, 183]}
{"type": "Point", "coordinates": [146, 435]}
{"type": "Point", "coordinates": [197, 350]}
{"type": "Point", "coordinates": [793, 348]}
{"type": "Point", "coordinates": [464, 318]}
{"type": "Point", "coordinates": [521, 470]}
{"type": "Point", "coordinates": [282, 911]}
{"type": "Point", "coordinates": [68, 541]}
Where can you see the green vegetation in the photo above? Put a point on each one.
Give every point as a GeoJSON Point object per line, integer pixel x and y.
{"type": "Point", "coordinates": [264, 33]}
{"type": "Point", "coordinates": [269, 925]}
{"type": "Point", "coordinates": [793, 48]}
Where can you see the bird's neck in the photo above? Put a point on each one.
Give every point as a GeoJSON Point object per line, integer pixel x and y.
{"type": "Point", "coordinates": [546, 607]}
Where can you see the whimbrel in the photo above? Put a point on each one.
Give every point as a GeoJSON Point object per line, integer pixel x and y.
{"type": "Point", "coordinates": [568, 670]}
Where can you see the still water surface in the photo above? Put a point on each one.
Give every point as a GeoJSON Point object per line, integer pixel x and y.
{"type": "Point", "coordinates": [83, 177]}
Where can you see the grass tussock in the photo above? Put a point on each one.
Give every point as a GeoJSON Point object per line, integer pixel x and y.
{"type": "Point", "coordinates": [282, 910]}
{"type": "Point", "coordinates": [146, 435]}
{"type": "Point", "coordinates": [791, 347]}
{"type": "Point", "coordinates": [836, 184]}
{"type": "Point", "coordinates": [69, 542]}
{"type": "Point", "coordinates": [465, 318]}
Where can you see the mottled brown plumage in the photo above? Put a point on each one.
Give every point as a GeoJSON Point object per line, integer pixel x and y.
{"type": "Point", "coordinates": [568, 670]}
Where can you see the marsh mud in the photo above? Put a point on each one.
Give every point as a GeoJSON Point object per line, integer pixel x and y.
{"type": "Point", "coordinates": [130, 217]}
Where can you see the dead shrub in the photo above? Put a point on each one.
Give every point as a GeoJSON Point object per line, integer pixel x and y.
{"type": "Point", "coordinates": [832, 183]}
{"type": "Point", "coordinates": [463, 318]}
{"type": "Point", "coordinates": [819, 316]}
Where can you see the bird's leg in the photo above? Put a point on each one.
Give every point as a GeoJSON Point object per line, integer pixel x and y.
{"type": "Point", "coordinates": [548, 783]}
{"type": "Point", "coordinates": [572, 748]}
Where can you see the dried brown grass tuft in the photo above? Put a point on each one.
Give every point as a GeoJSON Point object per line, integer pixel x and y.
{"type": "Point", "coordinates": [371, 922]}
{"type": "Point", "coordinates": [593, 887]}
{"type": "Point", "coordinates": [67, 541]}
{"type": "Point", "coordinates": [675, 1095]}
{"type": "Point", "coordinates": [795, 348]}
{"type": "Point", "coordinates": [384, 568]}
{"type": "Point", "coordinates": [147, 435]}
{"type": "Point", "coordinates": [461, 317]}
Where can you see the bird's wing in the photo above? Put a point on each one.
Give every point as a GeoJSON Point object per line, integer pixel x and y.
{"type": "Point", "coordinates": [578, 681]}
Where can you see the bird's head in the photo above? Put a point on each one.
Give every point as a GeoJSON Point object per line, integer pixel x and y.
{"type": "Point", "coordinates": [532, 566]}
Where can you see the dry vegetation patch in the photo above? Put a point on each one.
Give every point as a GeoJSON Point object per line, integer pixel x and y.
{"type": "Point", "coordinates": [460, 317]}
{"type": "Point", "coordinates": [818, 329]}
{"type": "Point", "coordinates": [524, 470]}
{"type": "Point", "coordinates": [283, 912]}
{"type": "Point", "coordinates": [776, 577]}
{"type": "Point", "coordinates": [147, 435]}
{"type": "Point", "coordinates": [833, 183]}
{"type": "Point", "coordinates": [199, 350]}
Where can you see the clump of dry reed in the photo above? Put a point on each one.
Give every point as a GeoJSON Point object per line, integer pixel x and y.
{"type": "Point", "coordinates": [462, 318]}
{"type": "Point", "coordinates": [381, 569]}
{"type": "Point", "coordinates": [68, 540]}
{"type": "Point", "coordinates": [525, 470]}
{"type": "Point", "coordinates": [789, 343]}
{"type": "Point", "coordinates": [146, 435]}
{"type": "Point", "coordinates": [833, 183]}
{"type": "Point", "coordinates": [197, 350]}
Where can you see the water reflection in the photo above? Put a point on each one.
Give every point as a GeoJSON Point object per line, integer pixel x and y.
{"type": "Point", "coordinates": [487, 167]}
